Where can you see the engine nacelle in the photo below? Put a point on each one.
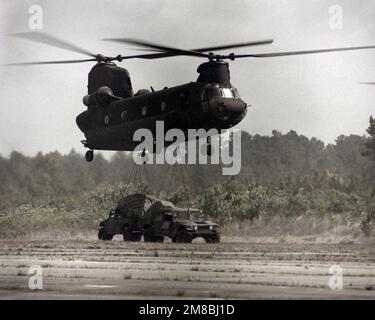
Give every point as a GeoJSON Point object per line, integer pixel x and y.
{"type": "Point", "coordinates": [102, 96]}
{"type": "Point", "coordinates": [105, 91]}
{"type": "Point", "coordinates": [142, 92]}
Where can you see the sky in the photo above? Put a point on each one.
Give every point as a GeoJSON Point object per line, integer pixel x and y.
{"type": "Point", "coordinates": [315, 95]}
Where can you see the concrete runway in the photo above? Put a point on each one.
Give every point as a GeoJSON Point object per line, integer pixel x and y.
{"type": "Point", "coordinates": [118, 270]}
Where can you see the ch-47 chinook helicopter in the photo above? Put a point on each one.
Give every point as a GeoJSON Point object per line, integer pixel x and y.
{"type": "Point", "coordinates": [114, 112]}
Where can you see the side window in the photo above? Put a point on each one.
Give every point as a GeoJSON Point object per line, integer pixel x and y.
{"type": "Point", "coordinates": [112, 213]}
{"type": "Point", "coordinates": [106, 120]}
{"type": "Point", "coordinates": [185, 100]}
{"type": "Point", "coordinates": [215, 92]}
{"type": "Point", "coordinates": [144, 111]}
{"type": "Point", "coordinates": [163, 106]}
{"type": "Point", "coordinates": [124, 115]}
{"type": "Point", "coordinates": [236, 94]}
{"type": "Point", "coordinates": [204, 96]}
{"type": "Point", "coordinates": [167, 217]}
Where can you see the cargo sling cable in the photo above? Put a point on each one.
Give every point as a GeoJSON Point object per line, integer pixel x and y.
{"type": "Point", "coordinates": [136, 176]}
{"type": "Point", "coordinates": [171, 175]}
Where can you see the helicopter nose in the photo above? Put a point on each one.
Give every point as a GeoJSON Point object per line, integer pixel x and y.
{"type": "Point", "coordinates": [229, 106]}
{"type": "Point", "coordinates": [234, 106]}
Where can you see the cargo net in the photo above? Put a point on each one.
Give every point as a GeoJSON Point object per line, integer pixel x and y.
{"type": "Point", "coordinates": [135, 206]}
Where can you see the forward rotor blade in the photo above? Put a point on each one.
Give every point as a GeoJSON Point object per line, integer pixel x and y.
{"type": "Point", "coordinates": [72, 61]}
{"type": "Point", "coordinates": [47, 62]}
{"type": "Point", "coordinates": [293, 53]}
{"type": "Point", "coordinates": [367, 83]}
{"type": "Point", "coordinates": [144, 56]}
{"type": "Point", "coordinates": [52, 41]}
{"type": "Point", "coordinates": [166, 49]}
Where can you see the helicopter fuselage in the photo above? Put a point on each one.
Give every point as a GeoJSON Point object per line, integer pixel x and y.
{"type": "Point", "coordinates": [114, 113]}
{"type": "Point", "coordinates": [110, 122]}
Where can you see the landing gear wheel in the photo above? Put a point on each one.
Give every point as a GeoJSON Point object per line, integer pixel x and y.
{"type": "Point", "coordinates": [89, 155]}
{"type": "Point", "coordinates": [143, 156]}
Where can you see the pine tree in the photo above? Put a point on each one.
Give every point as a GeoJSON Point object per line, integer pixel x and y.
{"type": "Point", "coordinates": [370, 153]}
{"type": "Point", "coordinates": [370, 144]}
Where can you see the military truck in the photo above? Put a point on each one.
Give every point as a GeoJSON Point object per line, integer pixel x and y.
{"type": "Point", "coordinates": [179, 224]}
{"type": "Point", "coordinates": [127, 218]}
{"type": "Point", "coordinates": [140, 214]}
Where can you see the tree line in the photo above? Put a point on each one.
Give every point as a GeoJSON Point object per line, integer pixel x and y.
{"type": "Point", "coordinates": [287, 174]}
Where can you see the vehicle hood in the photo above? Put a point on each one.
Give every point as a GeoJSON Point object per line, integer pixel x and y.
{"type": "Point", "coordinates": [196, 222]}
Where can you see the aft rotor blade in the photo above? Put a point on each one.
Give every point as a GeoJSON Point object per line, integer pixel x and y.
{"type": "Point", "coordinates": [368, 83]}
{"type": "Point", "coordinates": [166, 49]}
{"type": "Point", "coordinates": [52, 41]}
{"type": "Point", "coordinates": [47, 62]}
{"type": "Point", "coordinates": [236, 45]}
{"type": "Point", "coordinates": [293, 53]}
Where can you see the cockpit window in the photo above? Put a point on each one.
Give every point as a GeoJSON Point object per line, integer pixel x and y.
{"type": "Point", "coordinates": [204, 96]}
{"type": "Point", "coordinates": [227, 93]}
{"type": "Point", "coordinates": [216, 91]}
{"type": "Point", "coordinates": [236, 94]}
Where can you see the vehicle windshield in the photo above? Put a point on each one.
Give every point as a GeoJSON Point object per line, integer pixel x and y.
{"type": "Point", "coordinates": [188, 215]}
{"type": "Point", "coordinates": [198, 216]}
{"type": "Point", "coordinates": [184, 215]}
{"type": "Point", "coordinates": [112, 213]}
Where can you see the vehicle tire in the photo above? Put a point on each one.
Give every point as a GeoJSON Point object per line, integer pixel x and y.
{"type": "Point", "coordinates": [217, 238]}
{"type": "Point", "coordinates": [126, 234]}
{"type": "Point", "coordinates": [183, 237]}
{"type": "Point", "coordinates": [213, 239]}
{"type": "Point", "coordinates": [108, 237]}
{"type": "Point", "coordinates": [147, 236]}
{"type": "Point", "coordinates": [136, 237]}
{"type": "Point", "coordinates": [158, 239]}
{"type": "Point", "coordinates": [102, 235]}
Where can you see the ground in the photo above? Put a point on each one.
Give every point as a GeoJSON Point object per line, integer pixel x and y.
{"type": "Point", "coordinates": [93, 269]}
